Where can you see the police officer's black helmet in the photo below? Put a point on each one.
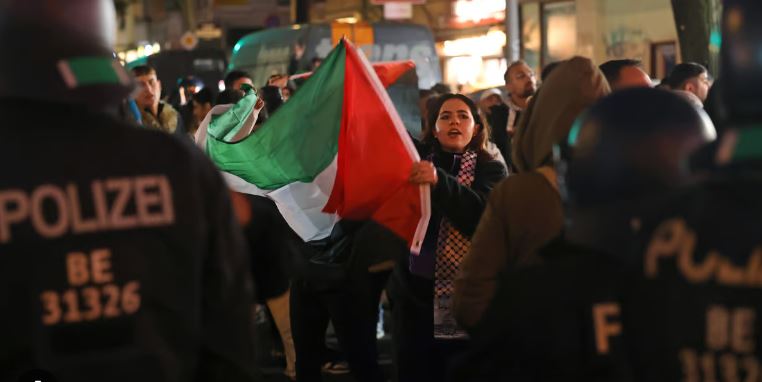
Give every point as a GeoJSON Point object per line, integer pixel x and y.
{"type": "Point", "coordinates": [632, 142]}
{"type": "Point", "coordinates": [61, 51]}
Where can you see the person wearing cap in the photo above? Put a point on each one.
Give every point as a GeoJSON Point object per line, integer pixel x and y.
{"type": "Point", "coordinates": [573, 314]}
{"type": "Point", "coordinates": [488, 99]}
{"type": "Point", "coordinates": [155, 113]}
{"type": "Point", "coordinates": [120, 256]}
{"type": "Point", "coordinates": [690, 77]}
{"type": "Point", "coordinates": [521, 84]}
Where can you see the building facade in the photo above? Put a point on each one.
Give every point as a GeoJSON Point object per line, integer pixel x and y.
{"type": "Point", "coordinates": [471, 37]}
{"type": "Point", "coordinates": [147, 26]}
{"type": "Point", "coordinates": [470, 34]}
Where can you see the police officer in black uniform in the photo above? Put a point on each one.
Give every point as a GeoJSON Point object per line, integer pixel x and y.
{"type": "Point", "coordinates": [696, 314]}
{"type": "Point", "coordinates": [119, 256]}
{"type": "Point", "coordinates": [562, 319]}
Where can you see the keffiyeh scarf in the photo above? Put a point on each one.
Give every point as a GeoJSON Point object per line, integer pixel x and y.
{"type": "Point", "coordinates": [451, 247]}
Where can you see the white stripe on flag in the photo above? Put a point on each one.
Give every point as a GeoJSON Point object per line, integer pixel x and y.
{"type": "Point", "coordinates": [301, 204]}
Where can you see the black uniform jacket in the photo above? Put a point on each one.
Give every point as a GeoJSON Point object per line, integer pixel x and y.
{"type": "Point", "coordinates": [681, 301]}
{"type": "Point", "coordinates": [120, 259]}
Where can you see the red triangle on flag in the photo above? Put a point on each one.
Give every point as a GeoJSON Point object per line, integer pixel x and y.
{"type": "Point", "coordinates": [388, 72]}
{"type": "Point", "coordinates": [375, 156]}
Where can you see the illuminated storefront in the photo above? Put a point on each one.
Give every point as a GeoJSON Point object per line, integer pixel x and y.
{"type": "Point", "coordinates": [475, 58]}
{"type": "Point", "coordinates": [548, 32]}
{"type": "Point", "coordinates": [142, 50]}
{"type": "Point", "coordinates": [475, 62]}
{"type": "Point", "coordinates": [554, 30]}
{"type": "Point", "coordinates": [601, 30]}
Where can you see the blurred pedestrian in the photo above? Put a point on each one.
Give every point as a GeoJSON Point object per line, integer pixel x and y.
{"type": "Point", "coordinates": [155, 113]}
{"type": "Point", "coordinates": [488, 99]}
{"type": "Point", "coordinates": [426, 97]}
{"type": "Point", "coordinates": [441, 88]}
{"type": "Point", "coordinates": [521, 84]}
{"type": "Point", "coordinates": [187, 87]}
{"type": "Point", "coordinates": [691, 77]}
{"type": "Point", "coordinates": [287, 92]}
{"type": "Point", "coordinates": [625, 73]}
{"type": "Point", "coordinates": [202, 103]}
{"type": "Point", "coordinates": [265, 229]}
{"type": "Point", "coordinates": [229, 96]}
{"type": "Point", "coordinates": [272, 263]}
{"type": "Point", "coordinates": [235, 78]}
{"type": "Point", "coordinates": [548, 69]}
{"type": "Point", "coordinates": [690, 97]}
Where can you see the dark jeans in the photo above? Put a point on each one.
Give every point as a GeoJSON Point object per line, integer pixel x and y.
{"type": "Point", "coordinates": [417, 355]}
{"type": "Point", "coordinates": [353, 309]}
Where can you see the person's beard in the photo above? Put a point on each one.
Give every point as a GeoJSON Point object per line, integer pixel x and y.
{"type": "Point", "coordinates": [529, 91]}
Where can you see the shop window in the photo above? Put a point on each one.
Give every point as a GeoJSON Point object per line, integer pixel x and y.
{"type": "Point", "coordinates": [470, 73]}
{"type": "Point", "coordinates": [559, 24]}
{"type": "Point", "coordinates": [531, 37]}
{"type": "Point", "coordinates": [663, 58]}
{"type": "Point", "coordinates": [475, 62]}
{"type": "Point", "coordinates": [493, 72]}
{"type": "Point", "coordinates": [463, 70]}
{"type": "Point", "coordinates": [548, 32]}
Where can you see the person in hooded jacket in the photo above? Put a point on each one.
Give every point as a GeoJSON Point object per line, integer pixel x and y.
{"type": "Point", "coordinates": [524, 211]}
{"type": "Point", "coordinates": [580, 313]}
{"type": "Point", "coordinates": [460, 173]}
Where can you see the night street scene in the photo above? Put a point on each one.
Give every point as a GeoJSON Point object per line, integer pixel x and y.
{"type": "Point", "coordinates": [380, 190]}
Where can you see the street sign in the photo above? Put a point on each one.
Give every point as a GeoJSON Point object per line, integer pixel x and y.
{"type": "Point", "coordinates": [189, 40]}
{"type": "Point", "coordinates": [382, 2]}
{"type": "Point", "coordinates": [483, 12]}
{"type": "Point", "coordinates": [398, 11]}
{"type": "Point", "coordinates": [231, 2]}
{"type": "Point", "coordinates": [208, 31]}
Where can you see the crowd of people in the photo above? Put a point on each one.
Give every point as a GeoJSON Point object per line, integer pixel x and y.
{"type": "Point", "coordinates": [593, 226]}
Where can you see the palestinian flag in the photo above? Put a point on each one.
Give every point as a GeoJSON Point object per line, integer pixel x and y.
{"type": "Point", "coordinates": [337, 149]}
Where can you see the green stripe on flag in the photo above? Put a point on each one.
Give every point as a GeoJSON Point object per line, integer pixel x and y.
{"type": "Point", "coordinates": [299, 141]}
{"type": "Point", "coordinates": [93, 70]}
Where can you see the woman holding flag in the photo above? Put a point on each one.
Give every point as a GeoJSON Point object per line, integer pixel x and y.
{"type": "Point", "coordinates": [461, 174]}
